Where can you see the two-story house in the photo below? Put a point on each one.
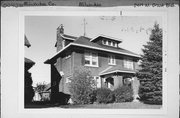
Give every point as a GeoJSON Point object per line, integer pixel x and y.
{"type": "Point", "coordinates": [110, 65]}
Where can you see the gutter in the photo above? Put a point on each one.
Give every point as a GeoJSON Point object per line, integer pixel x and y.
{"type": "Point", "coordinates": [91, 47]}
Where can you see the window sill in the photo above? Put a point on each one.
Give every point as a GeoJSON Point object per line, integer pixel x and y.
{"type": "Point", "coordinates": [91, 66]}
{"type": "Point", "coordinates": [129, 68]}
{"type": "Point", "coordinates": [111, 64]}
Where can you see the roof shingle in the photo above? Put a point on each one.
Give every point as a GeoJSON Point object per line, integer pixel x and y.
{"type": "Point", "coordinates": [86, 43]}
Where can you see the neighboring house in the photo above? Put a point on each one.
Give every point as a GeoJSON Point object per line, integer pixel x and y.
{"type": "Point", "coordinates": [28, 89]}
{"type": "Point", "coordinates": [110, 65]}
{"type": "Point", "coordinates": [45, 95]}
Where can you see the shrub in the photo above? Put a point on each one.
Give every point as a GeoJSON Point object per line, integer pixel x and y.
{"type": "Point", "coordinates": [123, 94]}
{"type": "Point", "coordinates": [81, 86]}
{"type": "Point", "coordinates": [92, 96]}
{"type": "Point", "coordinates": [104, 95]}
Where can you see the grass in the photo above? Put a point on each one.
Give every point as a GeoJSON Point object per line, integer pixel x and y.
{"type": "Point", "coordinates": [126, 105]}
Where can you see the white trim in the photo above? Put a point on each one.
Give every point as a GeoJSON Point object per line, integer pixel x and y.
{"type": "Point", "coordinates": [117, 71]}
{"type": "Point", "coordinates": [92, 47]}
{"type": "Point", "coordinates": [59, 51]}
{"type": "Point", "coordinates": [111, 58]}
{"type": "Point", "coordinates": [128, 63]}
{"type": "Point", "coordinates": [66, 37]}
{"type": "Point", "coordinates": [116, 39]}
{"type": "Point", "coordinates": [106, 69]}
{"type": "Point", "coordinates": [67, 57]}
{"type": "Point", "coordinates": [91, 65]}
{"type": "Point", "coordinates": [106, 42]}
{"type": "Point", "coordinates": [102, 49]}
{"type": "Point", "coordinates": [91, 59]}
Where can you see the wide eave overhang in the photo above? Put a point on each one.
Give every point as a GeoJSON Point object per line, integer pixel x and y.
{"type": "Point", "coordinates": [54, 57]}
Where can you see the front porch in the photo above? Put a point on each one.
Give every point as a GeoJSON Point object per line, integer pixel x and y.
{"type": "Point", "coordinates": [118, 78]}
{"type": "Point", "coordinates": [113, 81]}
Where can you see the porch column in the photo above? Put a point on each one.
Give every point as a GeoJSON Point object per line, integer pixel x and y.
{"type": "Point", "coordinates": [135, 86]}
{"type": "Point", "coordinates": [118, 81]}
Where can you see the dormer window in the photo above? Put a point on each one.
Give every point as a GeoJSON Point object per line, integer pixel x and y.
{"type": "Point", "coordinates": [109, 43]}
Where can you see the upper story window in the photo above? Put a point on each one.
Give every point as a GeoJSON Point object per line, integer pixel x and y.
{"type": "Point", "coordinates": [128, 64]}
{"type": "Point", "coordinates": [91, 59]}
{"type": "Point", "coordinates": [109, 43]}
{"type": "Point", "coordinates": [111, 60]}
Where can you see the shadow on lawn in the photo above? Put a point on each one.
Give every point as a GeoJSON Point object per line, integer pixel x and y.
{"type": "Point", "coordinates": [41, 104]}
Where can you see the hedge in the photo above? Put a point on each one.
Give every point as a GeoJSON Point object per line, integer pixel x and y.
{"type": "Point", "coordinates": [123, 94]}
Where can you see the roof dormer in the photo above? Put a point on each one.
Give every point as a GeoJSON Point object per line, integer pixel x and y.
{"type": "Point", "coordinates": [106, 40]}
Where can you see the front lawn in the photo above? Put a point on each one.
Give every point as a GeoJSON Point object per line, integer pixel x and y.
{"type": "Point", "coordinates": [126, 105]}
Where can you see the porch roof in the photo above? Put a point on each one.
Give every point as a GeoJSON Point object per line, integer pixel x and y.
{"type": "Point", "coordinates": [116, 69]}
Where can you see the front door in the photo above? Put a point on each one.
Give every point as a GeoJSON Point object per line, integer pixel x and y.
{"type": "Point", "coordinates": [110, 83]}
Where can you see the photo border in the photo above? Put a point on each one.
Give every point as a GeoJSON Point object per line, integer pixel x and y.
{"type": "Point", "coordinates": [94, 12]}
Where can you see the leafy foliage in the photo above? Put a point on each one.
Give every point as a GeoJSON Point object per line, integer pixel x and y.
{"type": "Point", "coordinates": [104, 95]}
{"type": "Point", "coordinates": [150, 74]}
{"type": "Point", "coordinates": [123, 94]}
{"type": "Point", "coordinates": [81, 86]}
{"type": "Point", "coordinates": [40, 87]}
{"type": "Point", "coordinates": [28, 89]}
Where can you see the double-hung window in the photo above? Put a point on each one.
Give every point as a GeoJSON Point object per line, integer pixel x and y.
{"type": "Point", "coordinates": [111, 60]}
{"type": "Point", "coordinates": [128, 64]}
{"type": "Point", "coordinates": [91, 59]}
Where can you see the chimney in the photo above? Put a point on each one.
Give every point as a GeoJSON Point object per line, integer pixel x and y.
{"type": "Point", "coordinates": [60, 31]}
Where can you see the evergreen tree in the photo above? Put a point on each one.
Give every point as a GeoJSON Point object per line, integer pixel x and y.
{"type": "Point", "coordinates": [150, 74]}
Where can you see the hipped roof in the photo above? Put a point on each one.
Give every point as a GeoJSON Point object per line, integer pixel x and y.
{"type": "Point", "coordinates": [86, 43]}
{"type": "Point", "coordinates": [29, 61]}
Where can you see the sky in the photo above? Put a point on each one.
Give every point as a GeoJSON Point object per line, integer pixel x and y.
{"type": "Point", "coordinates": [41, 33]}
